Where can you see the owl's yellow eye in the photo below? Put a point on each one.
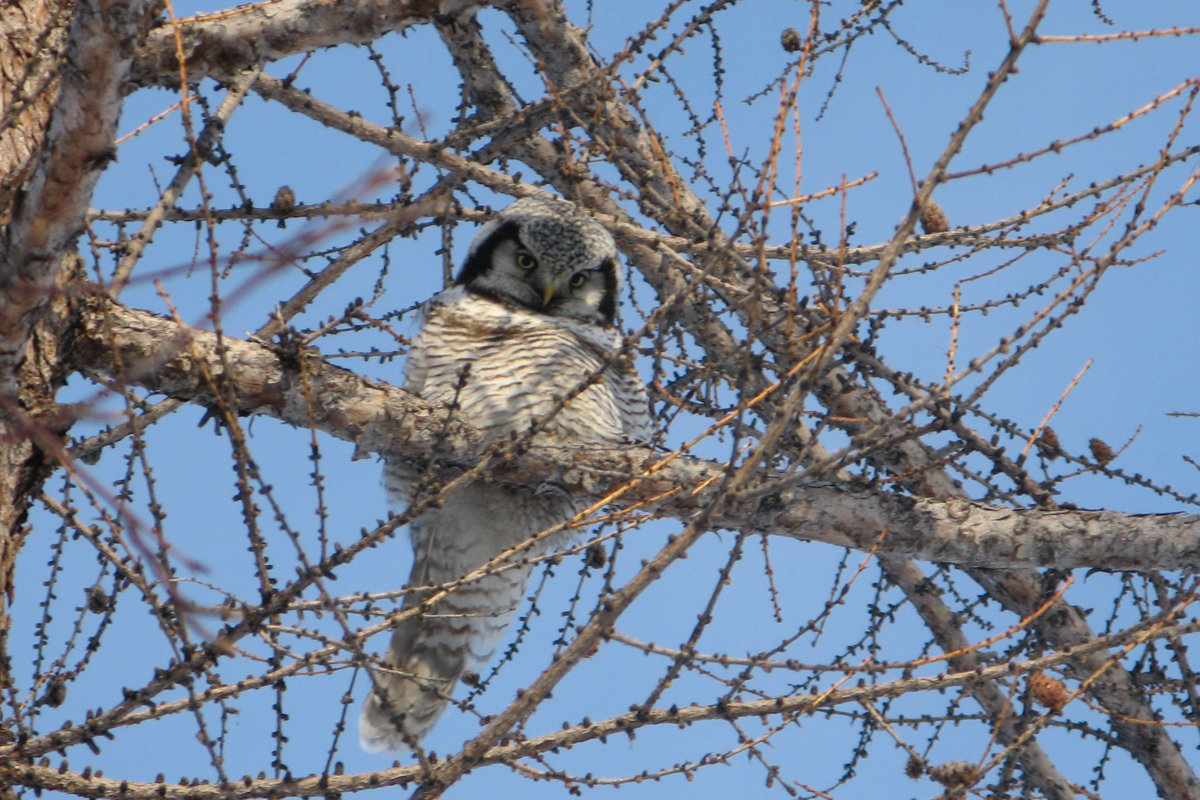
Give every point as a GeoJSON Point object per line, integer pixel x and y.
{"type": "Point", "coordinates": [526, 261]}
{"type": "Point", "coordinates": [578, 279]}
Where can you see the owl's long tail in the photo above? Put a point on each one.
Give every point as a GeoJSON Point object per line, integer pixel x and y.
{"type": "Point", "coordinates": [430, 651]}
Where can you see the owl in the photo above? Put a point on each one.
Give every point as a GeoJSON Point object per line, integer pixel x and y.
{"type": "Point", "coordinates": [525, 337]}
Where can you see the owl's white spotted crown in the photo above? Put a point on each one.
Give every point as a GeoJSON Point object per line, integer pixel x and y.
{"type": "Point", "coordinates": [563, 237]}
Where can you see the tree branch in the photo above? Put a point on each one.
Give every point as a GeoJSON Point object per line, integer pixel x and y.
{"type": "Point", "coordinates": [78, 145]}
{"type": "Point", "coordinates": [222, 44]}
{"type": "Point", "coordinates": [793, 705]}
{"type": "Point", "coordinates": [146, 350]}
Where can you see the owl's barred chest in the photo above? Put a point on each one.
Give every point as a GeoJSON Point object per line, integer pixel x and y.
{"type": "Point", "coordinates": [506, 371]}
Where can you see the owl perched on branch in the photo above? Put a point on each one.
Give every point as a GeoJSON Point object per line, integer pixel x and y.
{"type": "Point", "coordinates": [525, 339]}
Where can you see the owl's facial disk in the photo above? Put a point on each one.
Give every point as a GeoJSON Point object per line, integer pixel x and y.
{"type": "Point", "coordinates": [503, 267]}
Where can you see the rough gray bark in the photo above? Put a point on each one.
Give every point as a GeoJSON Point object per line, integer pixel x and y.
{"type": "Point", "coordinates": [221, 45]}
{"type": "Point", "coordinates": [59, 120]}
{"type": "Point", "coordinates": [49, 214]}
{"type": "Point", "coordinates": [140, 348]}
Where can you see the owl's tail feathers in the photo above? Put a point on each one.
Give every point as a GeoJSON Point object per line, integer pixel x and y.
{"type": "Point", "coordinates": [422, 667]}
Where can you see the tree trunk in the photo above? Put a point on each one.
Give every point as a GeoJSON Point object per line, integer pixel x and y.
{"type": "Point", "coordinates": [32, 38]}
{"type": "Point", "coordinates": [64, 66]}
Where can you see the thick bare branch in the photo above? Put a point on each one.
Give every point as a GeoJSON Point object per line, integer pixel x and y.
{"type": "Point", "coordinates": [78, 145]}
{"type": "Point", "coordinates": [222, 44]}
{"type": "Point", "coordinates": [163, 356]}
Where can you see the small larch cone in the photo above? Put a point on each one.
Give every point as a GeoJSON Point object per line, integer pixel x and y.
{"type": "Point", "coordinates": [284, 203]}
{"type": "Point", "coordinates": [954, 774]}
{"type": "Point", "coordinates": [1101, 451]}
{"type": "Point", "coordinates": [1047, 691]}
{"type": "Point", "coordinates": [933, 219]}
{"type": "Point", "coordinates": [285, 200]}
{"type": "Point", "coordinates": [1048, 444]}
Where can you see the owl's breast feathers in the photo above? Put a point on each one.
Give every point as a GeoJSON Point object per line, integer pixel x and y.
{"type": "Point", "coordinates": [508, 368]}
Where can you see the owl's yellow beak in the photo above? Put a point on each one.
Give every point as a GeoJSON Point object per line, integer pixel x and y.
{"type": "Point", "coordinates": [547, 295]}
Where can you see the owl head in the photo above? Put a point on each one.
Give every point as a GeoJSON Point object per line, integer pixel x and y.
{"type": "Point", "coordinates": [547, 256]}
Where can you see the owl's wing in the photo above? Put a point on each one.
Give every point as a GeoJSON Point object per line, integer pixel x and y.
{"type": "Point", "coordinates": [631, 399]}
{"type": "Point", "coordinates": [622, 383]}
{"type": "Point", "coordinates": [416, 369]}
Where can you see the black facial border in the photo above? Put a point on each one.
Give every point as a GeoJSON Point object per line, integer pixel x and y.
{"type": "Point", "coordinates": [608, 303]}
{"type": "Point", "coordinates": [480, 261]}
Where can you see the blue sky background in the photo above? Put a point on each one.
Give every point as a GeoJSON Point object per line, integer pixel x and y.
{"type": "Point", "coordinates": [1140, 328]}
